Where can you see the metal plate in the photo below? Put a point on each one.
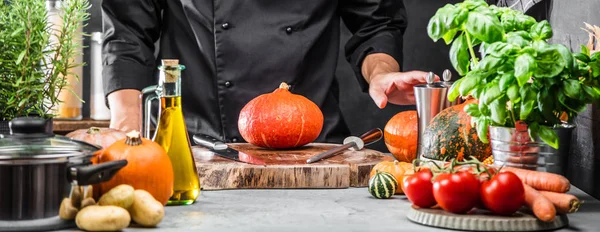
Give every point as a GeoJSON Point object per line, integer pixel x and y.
{"type": "Point", "coordinates": [483, 220]}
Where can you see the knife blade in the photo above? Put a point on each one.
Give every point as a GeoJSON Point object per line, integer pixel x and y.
{"type": "Point", "coordinates": [352, 143]}
{"type": "Point", "coordinates": [221, 149]}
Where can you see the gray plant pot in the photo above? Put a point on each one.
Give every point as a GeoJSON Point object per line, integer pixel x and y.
{"type": "Point", "coordinates": [514, 148]}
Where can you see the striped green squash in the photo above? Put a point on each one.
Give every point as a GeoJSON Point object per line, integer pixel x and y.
{"type": "Point", "coordinates": [382, 185]}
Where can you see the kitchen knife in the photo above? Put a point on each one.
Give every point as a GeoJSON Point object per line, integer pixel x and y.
{"type": "Point", "coordinates": [352, 143]}
{"type": "Point", "coordinates": [223, 150]}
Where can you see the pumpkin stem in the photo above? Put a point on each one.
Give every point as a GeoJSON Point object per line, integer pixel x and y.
{"type": "Point", "coordinates": [93, 130]}
{"type": "Point", "coordinates": [284, 85]}
{"type": "Point", "coordinates": [133, 138]}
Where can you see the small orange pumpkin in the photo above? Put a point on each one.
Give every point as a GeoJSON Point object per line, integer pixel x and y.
{"type": "Point", "coordinates": [103, 137]}
{"type": "Point", "coordinates": [149, 167]}
{"type": "Point", "coordinates": [401, 135]}
{"type": "Point", "coordinates": [396, 168]}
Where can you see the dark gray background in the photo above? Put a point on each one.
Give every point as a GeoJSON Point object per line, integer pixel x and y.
{"type": "Point", "coordinates": [421, 53]}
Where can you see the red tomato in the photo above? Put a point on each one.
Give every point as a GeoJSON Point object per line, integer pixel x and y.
{"type": "Point", "coordinates": [503, 194]}
{"type": "Point", "coordinates": [456, 192]}
{"type": "Point", "coordinates": [418, 188]}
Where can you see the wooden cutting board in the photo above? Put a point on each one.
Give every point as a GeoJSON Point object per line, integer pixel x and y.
{"type": "Point", "coordinates": [286, 168]}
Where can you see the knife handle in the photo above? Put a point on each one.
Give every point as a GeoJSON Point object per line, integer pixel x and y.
{"type": "Point", "coordinates": [209, 141]}
{"type": "Point", "coordinates": [371, 136]}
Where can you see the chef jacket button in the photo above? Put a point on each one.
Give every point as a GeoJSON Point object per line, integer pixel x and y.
{"type": "Point", "coordinates": [225, 26]}
{"type": "Point", "coordinates": [228, 84]}
{"type": "Point", "coordinates": [289, 30]}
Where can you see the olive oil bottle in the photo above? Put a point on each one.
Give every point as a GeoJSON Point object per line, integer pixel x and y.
{"type": "Point", "coordinates": [171, 134]}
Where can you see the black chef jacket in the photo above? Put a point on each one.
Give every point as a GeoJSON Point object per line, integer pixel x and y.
{"type": "Point", "coordinates": [235, 50]}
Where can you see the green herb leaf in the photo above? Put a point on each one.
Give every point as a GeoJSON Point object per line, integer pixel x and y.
{"type": "Point", "coordinates": [524, 22]}
{"type": "Point", "coordinates": [582, 57]}
{"type": "Point", "coordinates": [572, 88]}
{"type": "Point", "coordinates": [549, 136]}
{"type": "Point", "coordinates": [492, 93]}
{"type": "Point", "coordinates": [585, 50]}
{"type": "Point", "coordinates": [546, 106]}
{"type": "Point", "coordinates": [449, 36]}
{"type": "Point", "coordinates": [595, 56]}
{"type": "Point", "coordinates": [533, 129]}
{"type": "Point", "coordinates": [490, 63]}
{"type": "Point", "coordinates": [566, 55]}
{"type": "Point", "coordinates": [526, 108]}
{"type": "Point", "coordinates": [570, 104]}
{"type": "Point", "coordinates": [453, 92]}
{"type": "Point", "coordinates": [592, 91]}
{"type": "Point", "coordinates": [525, 65]}
{"type": "Point", "coordinates": [498, 109]}
{"type": "Point", "coordinates": [508, 21]}
{"type": "Point", "coordinates": [472, 109]}
{"type": "Point", "coordinates": [595, 67]}
{"type": "Point", "coordinates": [518, 38]}
{"type": "Point", "coordinates": [541, 30]}
{"type": "Point", "coordinates": [501, 49]}
{"type": "Point", "coordinates": [484, 109]}
{"type": "Point", "coordinates": [459, 55]}
{"type": "Point", "coordinates": [469, 82]}
{"type": "Point", "coordinates": [506, 80]}
{"type": "Point", "coordinates": [20, 58]}
{"type": "Point", "coordinates": [482, 129]}
{"type": "Point", "coordinates": [513, 93]}
{"type": "Point", "coordinates": [485, 27]}
{"type": "Point", "coordinates": [549, 62]}
{"type": "Point", "coordinates": [442, 22]}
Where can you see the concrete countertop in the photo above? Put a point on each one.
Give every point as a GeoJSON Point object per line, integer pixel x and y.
{"type": "Point", "coordinates": [315, 210]}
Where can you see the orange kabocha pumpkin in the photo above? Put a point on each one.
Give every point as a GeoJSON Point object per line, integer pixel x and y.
{"type": "Point", "coordinates": [103, 137]}
{"type": "Point", "coordinates": [397, 169]}
{"type": "Point", "coordinates": [401, 135]}
{"type": "Point", "coordinates": [280, 120]}
{"type": "Point", "coordinates": [149, 167]}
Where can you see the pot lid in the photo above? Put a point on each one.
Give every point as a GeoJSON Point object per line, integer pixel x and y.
{"type": "Point", "coordinates": [32, 137]}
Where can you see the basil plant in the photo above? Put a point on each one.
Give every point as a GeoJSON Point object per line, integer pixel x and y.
{"type": "Point", "coordinates": [515, 75]}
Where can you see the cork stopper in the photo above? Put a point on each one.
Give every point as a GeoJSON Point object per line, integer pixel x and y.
{"type": "Point", "coordinates": [172, 72]}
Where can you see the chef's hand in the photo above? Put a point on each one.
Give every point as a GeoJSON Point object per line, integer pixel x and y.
{"type": "Point", "coordinates": [125, 110]}
{"type": "Point", "coordinates": [387, 83]}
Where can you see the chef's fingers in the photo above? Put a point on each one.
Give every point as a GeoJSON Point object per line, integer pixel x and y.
{"type": "Point", "coordinates": [412, 78]}
{"type": "Point", "coordinates": [378, 95]}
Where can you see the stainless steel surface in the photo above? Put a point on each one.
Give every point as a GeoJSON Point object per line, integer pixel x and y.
{"type": "Point", "coordinates": [512, 147]}
{"type": "Point", "coordinates": [98, 109]}
{"type": "Point", "coordinates": [447, 81]}
{"type": "Point", "coordinates": [430, 100]}
{"type": "Point", "coordinates": [148, 95]}
{"type": "Point", "coordinates": [216, 147]}
{"type": "Point", "coordinates": [351, 142]}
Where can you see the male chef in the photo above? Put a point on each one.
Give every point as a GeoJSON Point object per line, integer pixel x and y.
{"type": "Point", "coordinates": [235, 50]}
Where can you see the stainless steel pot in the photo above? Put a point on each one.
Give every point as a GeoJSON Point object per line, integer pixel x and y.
{"type": "Point", "coordinates": [38, 169]}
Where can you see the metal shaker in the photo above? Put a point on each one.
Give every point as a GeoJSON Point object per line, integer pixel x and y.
{"type": "Point", "coordinates": [447, 81]}
{"type": "Point", "coordinates": [430, 99]}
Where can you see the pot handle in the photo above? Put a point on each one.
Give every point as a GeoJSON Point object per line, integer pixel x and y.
{"type": "Point", "coordinates": [95, 174]}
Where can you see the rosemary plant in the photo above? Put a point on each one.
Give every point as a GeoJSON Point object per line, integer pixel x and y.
{"type": "Point", "coordinates": [36, 56]}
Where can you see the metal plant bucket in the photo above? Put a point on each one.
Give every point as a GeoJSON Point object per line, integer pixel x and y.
{"type": "Point", "coordinates": [514, 148]}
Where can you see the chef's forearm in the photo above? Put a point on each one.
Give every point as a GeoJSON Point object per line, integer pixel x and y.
{"type": "Point", "coordinates": [378, 63]}
{"type": "Point", "coordinates": [125, 109]}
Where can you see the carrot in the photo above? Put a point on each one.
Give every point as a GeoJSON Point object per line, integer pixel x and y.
{"type": "Point", "coordinates": [542, 180]}
{"type": "Point", "coordinates": [542, 208]}
{"type": "Point", "coordinates": [564, 203]}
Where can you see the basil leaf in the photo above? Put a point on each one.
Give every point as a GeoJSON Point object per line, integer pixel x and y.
{"type": "Point", "coordinates": [508, 21]}
{"type": "Point", "coordinates": [484, 109]}
{"type": "Point", "coordinates": [548, 136]}
{"type": "Point", "coordinates": [482, 49]}
{"type": "Point", "coordinates": [524, 22]}
{"type": "Point", "coordinates": [482, 129]}
{"type": "Point", "coordinates": [435, 28]}
{"type": "Point", "coordinates": [572, 88]}
{"type": "Point", "coordinates": [506, 80]}
{"type": "Point", "coordinates": [469, 83]}
{"type": "Point", "coordinates": [533, 129]}
{"type": "Point", "coordinates": [582, 57]}
{"type": "Point", "coordinates": [585, 50]}
{"type": "Point", "coordinates": [459, 55]}
{"type": "Point", "coordinates": [549, 62]}
{"type": "Point", "coordinates": [449, 36]}
{"type": "Point", "coordinates": [513, 93]}
{"type": "Point", "coordinates": [474, 4]}
{"type": "Point", "coordinates": [498, 109]}
{"type": "Point", "coordinates": [525, 65]}
{"type": "Point", "coordinates": [472, 109]}
{"type": "Point", "coordinates": [453, 92]}
{"type": "Point", "coordinates": [490, 63]}
{"type": "Point", "coordinates": [492, 93]}
{"type": "Point", "coordinates": [570, 104]}
{"type": "Point", "coordinates": [546, 106]}
{"type": "Point", "coordinates": [566, 55]}
{"type": "Point", "coordinates": [485, 27]}
{"type": "Point", "coordinates": [442, 22]}
{"type": "Point", "coordinates": [595, 56]}
{"type": "Point", "coordinates": [515, 38]}
{"type": "Point", "coordinates": [592, 91]}
{"type": "Point", "coordinates": [526, 108]}
{"type": "Point", "coordinates": [595, 66]}
{"type": "Point", "coordinates": [500, 49]}
{"type": "Point", "coordinates": [541, 30]}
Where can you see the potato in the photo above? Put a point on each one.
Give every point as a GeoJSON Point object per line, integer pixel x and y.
{"type": "Point", "coordinates": [76, 196]}
{"type": "Point", "coordinates": [67, 211]}
{"type": "Point", "coordinates": [146, 210]}
{"type": "Point", "coordinates": [121, 196]}
{"type": "Point", "coordinates": [87, 202]}
{"type": "Point", "coordinates": [102, 218]}
{"type": "Point", "coordinates": [89, 192]}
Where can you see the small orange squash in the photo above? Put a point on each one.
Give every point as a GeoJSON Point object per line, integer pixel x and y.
{"type": "Point", "coordinates": [103, 137]}
{"type": "Point", "coordinates": [396, 168]}
{"type": "Point", "coordinates": [149, 167]}
{"type": "Point", "coordinates": [401, 135]}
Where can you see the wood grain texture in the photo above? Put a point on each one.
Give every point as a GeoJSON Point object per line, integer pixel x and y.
{"type": "Point", "coordinates": [286, 168]}
{"type": "Point", "coordinates": [66, 126]}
